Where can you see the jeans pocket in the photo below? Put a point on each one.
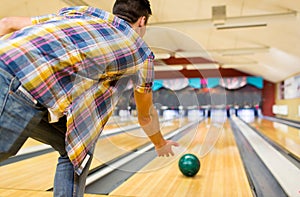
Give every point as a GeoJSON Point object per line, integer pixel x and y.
{"type": "Point", "coordinates": [18, 117]}
{"type": "Point", "coordinates": [23, 96]}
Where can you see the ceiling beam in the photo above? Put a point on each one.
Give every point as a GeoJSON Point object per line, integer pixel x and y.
{"type": "Point", "coordinates": [224, 52]}
{"type": "Point", "coordinates": [75, 2]}
{"type": "Point", "coordinates": [183, 61]}
{"type": "Point", "coordinates": [240, 51]}
{"type": "Point", "coordinates": [232, 21]}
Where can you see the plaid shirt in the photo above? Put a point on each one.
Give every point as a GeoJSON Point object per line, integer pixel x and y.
{"type": "Point", "coordinates": [77, 63]}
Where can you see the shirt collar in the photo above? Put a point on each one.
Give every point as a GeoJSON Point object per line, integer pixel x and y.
{"type": "Point", "coordinates": [92, 12]}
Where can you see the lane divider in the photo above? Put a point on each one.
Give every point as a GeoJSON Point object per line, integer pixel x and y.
{"type": "Point", "coordinates": [285, 172]}
{"type": "Point", "coordinates": [109, 132]}
{"type": "Point", "coordinates": [115, 165]}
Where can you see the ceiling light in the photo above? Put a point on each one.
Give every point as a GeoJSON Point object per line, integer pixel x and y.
{"type": "Point", "coordinates": [168, 68]}
{"type": "Point", "coordinates": [240, 26]}
{"type": "Point", "coordinates": [201, 66]}
{"type": "Point", "coordinates": [238, 65]}
{"type": "Point", "coordinates": [160, 56]}
{"type": "Point", "coordinates": [224, 52]}
{"type": "Point", "coordinates": [190, 54]}
{"type": "Point", "coordinates": [241, 51]}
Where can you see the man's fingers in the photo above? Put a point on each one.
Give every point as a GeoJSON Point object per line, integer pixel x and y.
{"type": "Point", "coordinates": [166, 150]}
{"type": "Point", "coordinates": [172, 143]}
{"type": "Point", "coordinates": [172, 153]}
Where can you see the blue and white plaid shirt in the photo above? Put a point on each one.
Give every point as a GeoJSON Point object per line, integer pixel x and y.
{"type": "Point", "coordinates": [77, 63]}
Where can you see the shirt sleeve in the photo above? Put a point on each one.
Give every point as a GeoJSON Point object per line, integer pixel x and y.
{"type": "Point", "coordinates": [41, 19]}
{"type": "Point", "coordinates": [145, 76]}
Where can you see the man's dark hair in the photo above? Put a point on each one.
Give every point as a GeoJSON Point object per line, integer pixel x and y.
{"type": "Point", "coordinates": [132, 10]}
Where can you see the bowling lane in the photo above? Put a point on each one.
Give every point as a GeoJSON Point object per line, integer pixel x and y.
{"type": "Point", "coordinates": [221, 173]}
{"type": "Point", "coordinates": [113, 123]}
{"type": "Point", "coordinates": [117, 122]}
{"type": "Point", "coordinates": [27, 193]}
{"type": "Point", "coordinates": [31, 143]}
{"type": "Point", "coordinates": [34, 174]}
{"type": "Point", "coordinates": [37, 173]}
{"type": "Point", "coordinates": [126, 142]}
{"type": "Point", "coordinates": [285, 136]}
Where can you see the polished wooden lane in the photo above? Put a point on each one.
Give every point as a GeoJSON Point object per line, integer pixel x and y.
{"type": "Point", "coordinates": [222, 172]}
{"type": "Point", "coordinates": [114, 146]}
{"type": "Point", "coordinates": [117, 122]}
{"type": "Point", "coordinates": [31, 143]}
{"type": "Point", "coordinates": [38, 173]}
{"type": "Point", "coordinates": [285, 136]}
{"type": "Point", "coordinates": [113, 123]}
{"type": "Point", "coordinates": [30, 193]}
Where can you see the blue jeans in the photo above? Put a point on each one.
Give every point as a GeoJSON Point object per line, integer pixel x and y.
{"type": "Point", "coordinates": [66, 181]}
{"type": "Point", "coordinates": [21, 118]}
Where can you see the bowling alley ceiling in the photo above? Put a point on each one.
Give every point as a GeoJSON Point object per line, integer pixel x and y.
{"type": "Point", "coordinates": [256, 37]}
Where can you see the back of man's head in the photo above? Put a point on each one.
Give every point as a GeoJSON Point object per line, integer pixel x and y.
{"type": "Point", "coordinates": [132, 10]}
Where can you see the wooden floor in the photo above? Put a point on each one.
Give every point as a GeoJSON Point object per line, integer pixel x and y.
{"type": "Point", "coordinates": [37, 173]}
{"type": "Point", "coordinates": [285, 136]}
{"type": "Point", "coordinates": [126, 142]}
{"type": "Point", "coordinates": [222, 172]}
{"type": "Point", "coordinates": [113, 123]}
{"type": "Point", "coordinates": [31, 193]}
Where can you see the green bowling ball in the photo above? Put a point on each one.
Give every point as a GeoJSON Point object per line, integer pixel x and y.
{"type": "Point", "coordinates": [189, 165]}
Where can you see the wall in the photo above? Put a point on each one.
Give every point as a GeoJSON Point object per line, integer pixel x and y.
{"type": "Point", "coordinates": [205, 73]}
{"type": "Point", "coordinates": [292, 106]}
{"type": "Point", "coordinates": [268, 98]}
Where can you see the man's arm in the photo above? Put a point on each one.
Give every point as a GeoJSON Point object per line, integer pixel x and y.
{"type": "Point", "coordinates": [11, 24]}
{"type": "Point", "coordinates": [148, 119]}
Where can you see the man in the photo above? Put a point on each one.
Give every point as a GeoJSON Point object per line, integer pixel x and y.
{"type": "Point", "coordinates": [74, 66]}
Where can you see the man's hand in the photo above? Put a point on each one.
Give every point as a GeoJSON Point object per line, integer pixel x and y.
{"type": "Point", "coordinates": [166, 149]}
